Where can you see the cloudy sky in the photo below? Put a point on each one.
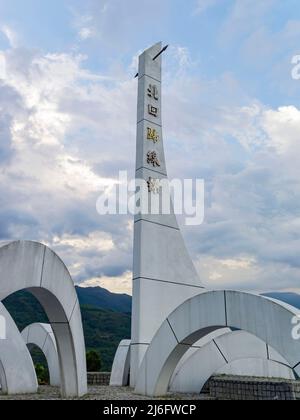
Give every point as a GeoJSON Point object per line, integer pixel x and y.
{"type": "Point", "coordinates": [231, 116]}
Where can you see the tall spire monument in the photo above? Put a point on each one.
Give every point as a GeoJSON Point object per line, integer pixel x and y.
{"type": "Point", "coordinates": [163, 273]}
{"type": "Point", "coordinates": [171, 309]}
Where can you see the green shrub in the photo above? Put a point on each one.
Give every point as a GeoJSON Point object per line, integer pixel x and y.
{"type": "Point", "coordinates": [42, 374]}
{"type": "Point", "coordinates": [93, 361]}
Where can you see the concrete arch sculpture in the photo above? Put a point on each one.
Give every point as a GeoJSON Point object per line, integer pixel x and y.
{"type": "Point", "coordinates": [17, 374]}
{"type": "Point", "coordinates": [227, 352]}
{"type": "Point", "coordinates": [121, 366]}
{"type": "Point", "coordinates": [209, 311]}
{"type": "Point", "coordinates": [42, 336]}
{"type": "Point", "coordinates": [34, 267]}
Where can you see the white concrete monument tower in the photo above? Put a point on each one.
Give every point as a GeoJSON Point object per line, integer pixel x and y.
{"type": "Point", "coordinates": [177, 325]}
{"type": "Point", "coordinates": [163, 273]}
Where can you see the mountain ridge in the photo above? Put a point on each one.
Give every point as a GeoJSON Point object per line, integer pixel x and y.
{"type": "Point", "coordinates": [105, 322]}
{"type": "Point", "coordinates": [104, 299]}
{"type": "Point", "coordinates": [291, 298]}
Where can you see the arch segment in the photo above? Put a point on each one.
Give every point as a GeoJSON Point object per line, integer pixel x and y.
{"type": "Point", "coordinates": [227, 352]}
{"type": "Point", "coordinates": [17, 374]}
{"type": "Point", "coordinates": [42, 336]}
{"type": "Point", "coordinates": [34, 267]}
{"type": "Point", "coordinates": [266, 319]}
{"type": "Point", "coordinates": [121, 366]}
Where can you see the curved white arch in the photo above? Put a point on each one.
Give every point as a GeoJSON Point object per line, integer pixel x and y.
{"type": "Point", "coordinates": [17, 374]}
{"type": "Point", "coordinates": [209, 311]}
{"type": "Point", "coordinates": [42, 336]}
{"type": "Point", "coordinates": [121, 366]}
{"type": "Point", "coordinates": [232, 353]}
{"type": "Point", "coordinates": [34, 267]}
{"type": "Point", "coordinates": [3, 382]}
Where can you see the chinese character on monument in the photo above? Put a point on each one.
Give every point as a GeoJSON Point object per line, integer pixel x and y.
{"type": "Point", "coordinates": [152, 135]}
{"type": "Point", "coordinates": [153, 185]}
{"type": "Point", "coordinates": [152, 159]}
{"type": "Point", "coordinates": [152, 110]}
{"type": "Point", "coordinates": [153, 92]}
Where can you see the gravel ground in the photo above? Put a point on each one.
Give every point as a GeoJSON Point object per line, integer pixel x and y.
{"type": "Point", "coordinates": [97, 393]}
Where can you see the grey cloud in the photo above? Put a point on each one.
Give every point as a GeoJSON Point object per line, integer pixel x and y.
{"type": "Point", "coordinates": [252, 192]}
{"type": "Point", "coordinates": [10, 105]}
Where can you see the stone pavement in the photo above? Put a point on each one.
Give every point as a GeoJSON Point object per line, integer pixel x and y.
{"type": "Point", "coordinates": [97, 393]}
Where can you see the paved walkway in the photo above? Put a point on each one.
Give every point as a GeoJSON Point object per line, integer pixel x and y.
{"type": "Point", "coordinates": [97, 393]}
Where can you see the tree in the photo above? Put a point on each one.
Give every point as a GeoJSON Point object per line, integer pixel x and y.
{"type": "Point", "coordinates": [93, 361]}
{"type": "Point", "coordinates": [42, 374]}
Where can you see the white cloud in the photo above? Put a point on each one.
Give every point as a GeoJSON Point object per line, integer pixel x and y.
{"type": "Point", "coordinates": [87, 33]}
{"type": "Point", "coordinates": [204, 5]}
{"type": "Point", "coordinates": [183, 56]}
{"type": "Point", "coordinates": [121, 284]}
{"type": "Point", "coordinates": [2, 67]}
{"type": "Point", "coordinates": [69, 131]}
{"type": "Point", "coordinates": [100, 240]}
{"type": "Point", "coordinates": [282, 127]}
{"type": "Point", "coordinates": [85, 24]}
{"type": "Point", "coordinates": [56, 116]}
{"type": "Point", "coordinates": [252, 276]}
{"type": "Point", "coordinates": [243, 263]}
{"type": "Point", "coordinates": [11, 35]}
{"type": "Point", "coordinates": [41, 131]}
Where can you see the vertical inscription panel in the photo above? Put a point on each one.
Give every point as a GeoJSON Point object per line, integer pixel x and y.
{"type": "Point", "coordinates": [148, 147]}
{"type": "Point", "coordinates": [150, 150]}
{"type": "Point", "coordinates": [149, 108]}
